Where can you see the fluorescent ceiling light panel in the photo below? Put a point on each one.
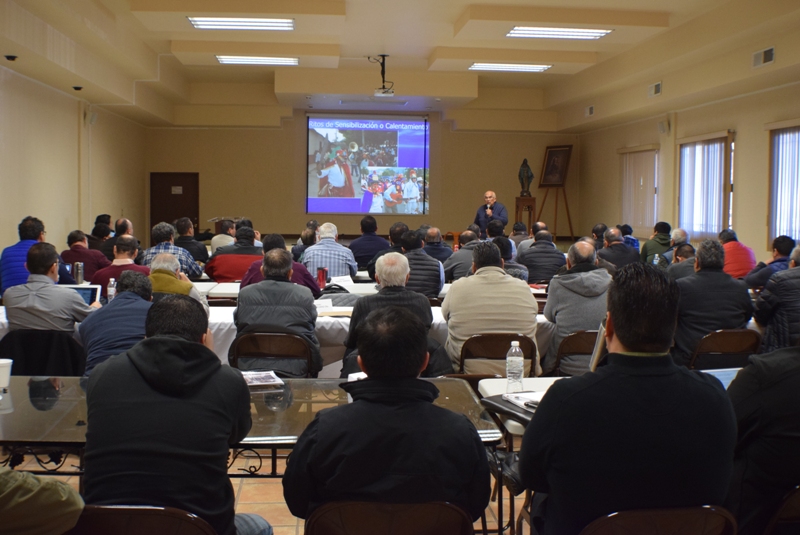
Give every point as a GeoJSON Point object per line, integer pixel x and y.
{"type": "Point", "coordinates": [513, 67]}
{"type": "Point", "coordinates": [556, 33]}
{"type": "Point", "coordinates": [229, 23]}
{"type": "Point", "coordinates": [255, 60]}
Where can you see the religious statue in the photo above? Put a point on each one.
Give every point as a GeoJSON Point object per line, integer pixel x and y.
{"type": "Point", "coordinates": [525, 178]}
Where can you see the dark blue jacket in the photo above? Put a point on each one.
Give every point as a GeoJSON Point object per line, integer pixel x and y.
{"type": "Point", "coordinates": [439, 251]}
{"type": "Point", "coordinates": [366, 247]}
{"type": "Point", "coordinates": [113, 329]}
{"type": "Point", "coordinates": [499, 213]}
{"type": "Point", "coordinates": [12, 266]}
{"type": "Point", "coordinates": [760, 274]}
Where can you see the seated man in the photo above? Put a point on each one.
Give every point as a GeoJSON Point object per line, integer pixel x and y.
{"type": "Point", "coordinates": [163, 235]}
{"type": "Point", "coordinates": [710, 300]}
{"type": "Point", "coordinates": [576, 301]}
{"type": "Point", "coordinates": [739, 258]}
{"type": "Point", "coordinates": [615, 250]}
{"type": "Point", "coordinates": [542, 258]}
{"type": "Point", "coordinates": [12, 262]}
{"type": "Point", "coordinates": [677, 237]}
{"type": "Point", "coordinates": [37, 505]}
{"type": "Point", "coordinates": [125, 251]}
{"type": "Point", "coordinates": [627, 236]}
{"type": "Point", "coordinates": [369, 244]}
{"type": "Point", "coordinates": [490, 301]}
{"type": "Point", "coordinates": [781, 249]}
{"type": "Point", "coordinates": [276, 305]}
{"type": "Point", "coordinates": [682, 262]}
{"type": "Point", "coordinates": [186, 240]}
{"type": "Point", "coordinates": [388, 445]}
{"type": "Point", "coordinates": [519, 233]}
{"type": "Point", "coordinates": [778, 307]}
{"type": "Point", "coordinates": [639, 433]}
{"type": "Point", "coordinates": [230, 263]}
{"type": "Point", "coordinates": [392, 272]}
{"type": "Point", "coordinates": [658, 244]}
{"type": "Point", "coordinates": [526, 244]}
{"type": "Point", "coordinates": [119, 325]}
{"type": "Point", "coordinates": [40, 304]}
{"type": "Point", "coordinates": [328, 253]}
{"type": "Point", "coordinates": [496, 229]}
{"type": "Point", "coordinates": [122, 227]}
{"type": "Point", "coordinates": [226, 236]}
{"type": "Point", "coordinates": [100, 233]}
{"type": "Point", "coordinates": [79, 252]}
{"type": "Point", "coordinates": [307, 238]}
{"type": "Point", "coordinates": [518, 271]}
{"type": "Point", "coordinates": [162, 418]}
{"type": "Point", "coordinates": [427, 273]}
{"type": "Point", "coordinates": [460, 262]}
{"type": "Point", "coordinates": [167, 278]}
{"type": "Point", "coordinates": [396, 232]}
{"type": "Point", "coordinates": [766, 399]}
{"type": "Point", "coordinates": [598, 235]}
{"type": "Point", "coordinates": [300, 274]}
{"type": "Point", "coordinates": [435, 247]}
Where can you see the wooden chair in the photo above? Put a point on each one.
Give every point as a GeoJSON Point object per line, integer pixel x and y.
{"type": "Point", "coordinates": [452, 235]}
{"type": "Point", "coordinates": [435, 301]}
{"type": "Point", "coordinates": [366, 518]}
{"type": "Point", "coordinates": [541, 302]}
{"type": "Point", "coordinates": [270, 346]}
{"type": "Point", "coordinates": [577, 343]}
{"type": "Point", "coordinates": [135, 520]}
{"type": "Point", "coordinates": [703, 520]}
{"type": "Point", "coordinates": [787, 515]}
{"type": "Point", "coordinates": [494, 346]}
{"type": "Point", "coordinates": [221, 302]}
{"type": "Point", "coordinates": [726, 348]}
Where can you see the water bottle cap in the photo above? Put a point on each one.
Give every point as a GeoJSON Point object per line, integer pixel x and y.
{"type": "Point", "coordinates": [515, 344]}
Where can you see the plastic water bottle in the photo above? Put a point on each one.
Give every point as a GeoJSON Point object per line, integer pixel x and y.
{"type": "Point", "coordinates": [656, 260]}
{"type": "Point", "coordinates": [515, 367]}
{"type": "Point", "coordinates": [111, 290]}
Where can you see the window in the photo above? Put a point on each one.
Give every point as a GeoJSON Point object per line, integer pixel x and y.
{"type": "Point", "coordinates": [706, 186]}
{"type": "Point", "coordinates": [785, 183]}
{"type": "Point", "coordinates": [639, 193]}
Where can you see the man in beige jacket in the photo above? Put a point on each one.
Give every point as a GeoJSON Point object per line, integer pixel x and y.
{"type": "Point", "coordinates": [490, 301]}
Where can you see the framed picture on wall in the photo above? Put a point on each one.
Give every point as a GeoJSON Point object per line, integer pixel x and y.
{"type": "Point", "coordinates": [555, 166]}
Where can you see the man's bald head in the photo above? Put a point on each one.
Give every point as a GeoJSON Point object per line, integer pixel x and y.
{"type": "Point", "coordinates": [581, 252]}
{"type": "Point", "coordinates": [613, 235]}
{"type": "Point", "coordinates": [434, 235]}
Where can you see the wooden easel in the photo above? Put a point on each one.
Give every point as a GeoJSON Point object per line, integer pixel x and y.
{"type": "Point", "coordinates": [555, 218]}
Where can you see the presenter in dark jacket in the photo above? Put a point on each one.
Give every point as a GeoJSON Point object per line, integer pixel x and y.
{"type": "Point", "coordinates": [388, 445]}
{"type": "Point", "coordinates": [490, 211]}
{"type": "Point", "coordinates": [710, 300]}
{"type": "Point", "coordinates": [639, 433]}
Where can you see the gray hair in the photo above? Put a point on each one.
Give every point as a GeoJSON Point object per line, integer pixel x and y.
{"type": "Point", "coordinates": [138, 283]}
{"type": "Point", "coordinates": [710, 255]}
{"type": "Point", "coordinates": [162, 232]}
{"type": "Point", "coordinates": [328, 230]}
{"type": "Point", "coordinates": [613, 235]}
{"type": "Point", "coordinates": [581, 252]}
{"type": "Point", "coordinates": [166, 261]}
{"type": "Point", "coordinates": [392, 269]}
{"type": "Point", "coordinates": [679, 236]}
{"type": "Point", "coordinates": [434, 235]}
{"type": "Point", "coordinates": [277, 263]}
{"type": "Point", "coordinates": [796, 256]}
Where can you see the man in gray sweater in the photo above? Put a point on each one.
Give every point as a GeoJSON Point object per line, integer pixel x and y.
{"type": "Point", "coordinates": [576, 301]}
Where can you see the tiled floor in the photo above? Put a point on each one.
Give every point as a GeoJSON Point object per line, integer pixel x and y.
{"type": "Point", "coordinates": [265, 497]}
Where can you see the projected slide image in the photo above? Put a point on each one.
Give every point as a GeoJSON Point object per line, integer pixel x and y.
{"type": "Point", "coordinates": [360, 166]}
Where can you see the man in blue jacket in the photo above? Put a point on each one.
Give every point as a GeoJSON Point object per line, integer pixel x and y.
{"type": "Point", "coordinates": [12, 262]}
{"type": "Point", "coordinates": [491, 210]}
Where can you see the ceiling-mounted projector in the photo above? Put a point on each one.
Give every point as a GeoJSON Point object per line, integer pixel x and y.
{"type": "Point", "coordinates": [384, 92]}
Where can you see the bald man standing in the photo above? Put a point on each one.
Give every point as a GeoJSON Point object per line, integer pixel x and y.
{"type": "Point", "coordinates": [490, 211]}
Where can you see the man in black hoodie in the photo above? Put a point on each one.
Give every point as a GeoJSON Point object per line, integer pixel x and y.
{"type": "Point", "coordinates": [161, 419]}
{"type": "Point", "coordinates": [392, 444]}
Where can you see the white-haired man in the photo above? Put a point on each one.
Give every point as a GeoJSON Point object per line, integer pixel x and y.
{"type": "Point", "coordinates": [328, 253]}
{"type": "Point", "coordinates": [167, 278]}
{"type": "Point", "coordinates": [391, 273]}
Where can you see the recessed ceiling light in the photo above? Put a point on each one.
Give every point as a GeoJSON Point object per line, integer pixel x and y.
{"type": "Point", "coordinates": [231, 23]}
{"type": "Point", "coordinates": [556, 33]}
{"type": "Point", "coordinates": [514, 67]}
{"type": "Point", "coordinates": [255, 60]}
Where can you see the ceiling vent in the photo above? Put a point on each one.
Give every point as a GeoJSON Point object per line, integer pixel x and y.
{"type": "Point", "coordinates": [654, 90]}
{"type": "Point", "coordinates": [764, 57]}
{"type": "Point", "coordinates": [589, 111]}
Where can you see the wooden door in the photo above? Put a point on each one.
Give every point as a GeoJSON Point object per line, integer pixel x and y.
{"type": "Point", "coordinates": [174, 195]}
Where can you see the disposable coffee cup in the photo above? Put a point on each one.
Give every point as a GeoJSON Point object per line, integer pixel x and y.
{"type": "Point", "coordinates": [6, 405]}
{"type": "Point", "coordinates": [5, 373]}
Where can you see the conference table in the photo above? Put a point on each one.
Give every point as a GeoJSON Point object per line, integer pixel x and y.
{"type": "Point", "coordinates": [279, 417]}
{"type": "Point", "coordinates": [333, 324]}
